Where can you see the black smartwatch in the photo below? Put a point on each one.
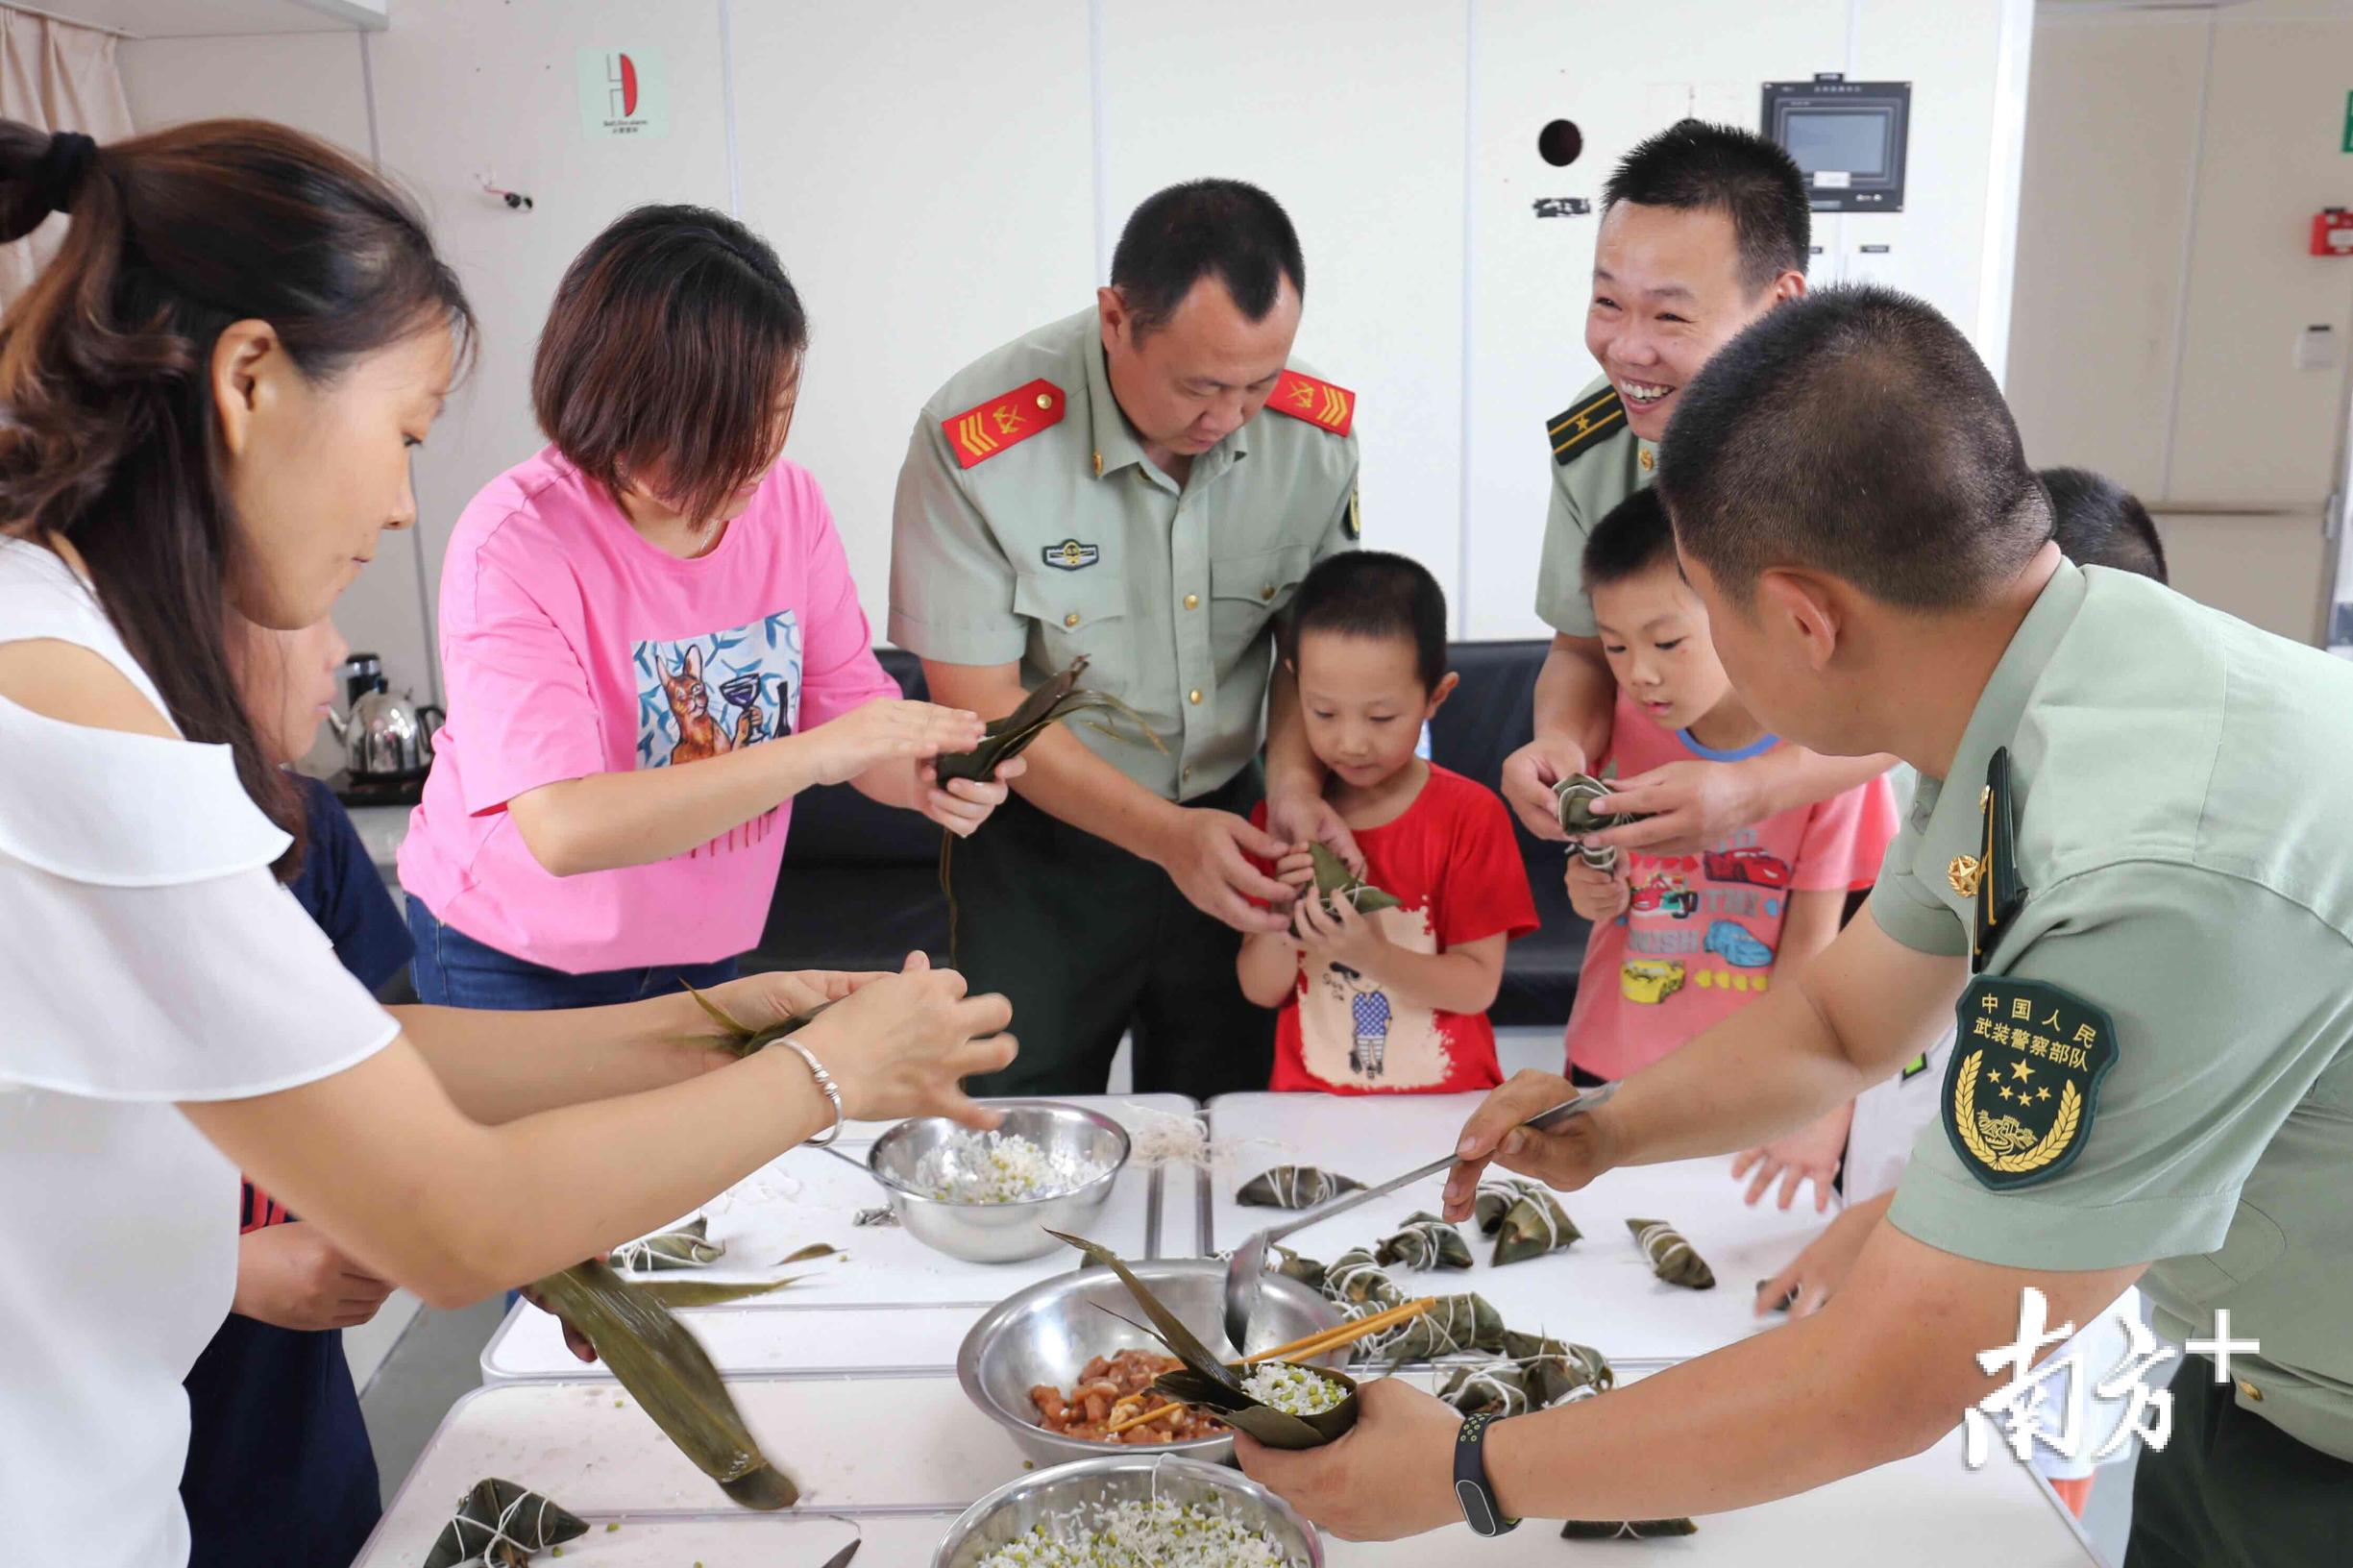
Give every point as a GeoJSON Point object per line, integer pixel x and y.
{"type": "Point", "coordinates": [1471, 1488]}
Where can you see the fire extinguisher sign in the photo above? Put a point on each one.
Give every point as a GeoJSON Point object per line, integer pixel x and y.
{"type": "Point", "coordinates": [623, 95]}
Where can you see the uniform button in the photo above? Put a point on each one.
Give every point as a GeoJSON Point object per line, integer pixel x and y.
{"type": "Point", "coordinates": [1267, 592]}
{"type": "Point", "coordinates": [2254, 1395]}
{"type": "Point", "coordinates": [1194, 697]}
{"type": "Point", "coordinates": [1045, 401]}
{"type": "Point", "coordinates": [1193, 602]}
{"type": "Point", "coordinates": [1186, 777]}
{"type": "Point", "coordinates": [1071, 619]}
{"type": "Point", "coordinates": [1647, 461]}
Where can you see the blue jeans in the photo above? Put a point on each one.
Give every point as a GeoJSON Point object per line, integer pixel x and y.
{"type": "Point", "coordinates": [453, 969]}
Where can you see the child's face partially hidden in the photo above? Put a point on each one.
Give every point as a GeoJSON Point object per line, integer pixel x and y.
{"type": "Point", "coordinates": [1364, 704]}
{"type": "Point", "coordinates": [1654, 633]}
{"type": "Point", "coordinates": [287, 680]}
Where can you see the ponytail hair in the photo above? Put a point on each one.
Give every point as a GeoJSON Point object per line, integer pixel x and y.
{"type": "Point", "coordinates": [109, 436]}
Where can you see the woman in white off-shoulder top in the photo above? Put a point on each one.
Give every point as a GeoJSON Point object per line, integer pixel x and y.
{"type": "Point", "coordinates": [205, 402]}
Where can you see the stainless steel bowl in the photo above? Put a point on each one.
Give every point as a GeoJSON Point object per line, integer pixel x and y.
{"type": "Point", "coordinates": [1048, 1333]}
{"type": "Point", "coordinates": [1017, 1506]}
{"type": "Point", "coordinates": [1000, 1233]}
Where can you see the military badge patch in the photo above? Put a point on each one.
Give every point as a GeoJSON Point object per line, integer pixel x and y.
{"type": "Point", "coordinates": [2023, 1083]}
{"type": "Point", "coordinates": [1071, 556]}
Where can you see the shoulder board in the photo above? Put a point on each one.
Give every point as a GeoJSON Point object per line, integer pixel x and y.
{"type": "Point", "coordinates": [1007, 420]}
{"type": "Point", "coordinates": [1320, 403]}
{"type": "Point", "coordinates": [1582, 423]}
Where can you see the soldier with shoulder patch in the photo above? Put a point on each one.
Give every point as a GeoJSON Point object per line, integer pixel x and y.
{"type": "Point", "coordinates": [1107, 488]}
{"type": "Point", "coordinates": [1704, 228]}
{"type": "Point", "coordinates": [2127, 879]}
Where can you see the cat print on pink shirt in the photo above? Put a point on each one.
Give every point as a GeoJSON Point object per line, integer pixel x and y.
{"type": "Point", "coordinates": [703, 696]}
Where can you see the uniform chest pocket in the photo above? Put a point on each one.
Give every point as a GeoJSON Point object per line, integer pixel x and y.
{"type": "Point", "coordinates": [1078, 612]}
{"type": "Point", "coordinates": [1246, 592]}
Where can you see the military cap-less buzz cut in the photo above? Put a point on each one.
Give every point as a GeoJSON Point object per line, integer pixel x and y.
{"type": "Point", "coordinates": [1226, 229]}
{"type": "Point", "coordinates": [1371, 593]}
{"type": "Point", "coordinates": [1632, 538]}
{"type": "Point", "coordinates": [1853, 432]}
{"type": "Point", "coordinates": [2096, 521]}
{"type": "Point", "coordinates": [1695, 166]}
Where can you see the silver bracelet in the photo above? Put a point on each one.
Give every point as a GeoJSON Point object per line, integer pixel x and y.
{"type": "Point", "coordinates": [824, 1082]}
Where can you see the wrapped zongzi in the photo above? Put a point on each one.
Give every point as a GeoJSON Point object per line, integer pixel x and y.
{"type": "Point", "coordinates": [1670, 1256]}
{"type": "Point", "coordinates": [1294, 1186]}
{"type": "Point", "coordinates": [1532, 1226]}
{"type": "Point", "coordinates": [1293, 1265]}
{"type": "Point", "coordinates": [1554, 1368]}
{"type": "Point", "coordinates": [1461, 1325]}
{"type": "Point", "coordinates": [1423, 1242]}
{"type": "Point", "coordinates": [689, 1246]}
{"type": "Point", "coordinates": [501, 1525]}
{"type": "Point", "coordinates": [1354, 1279]}
{"type": "Point", "coordinates": [1281, 1404]}
{"type": "Point", "coordinates": [1626, 1529]}
{"type": "Point", "coordinates": [1337, 883]}
{"type": "Point", "coordinates": [1494, 1199]}
{"type": "Point", "coordinates": [1575, 796]}
{"type": "Point", "coordinates": [1497, 1388]}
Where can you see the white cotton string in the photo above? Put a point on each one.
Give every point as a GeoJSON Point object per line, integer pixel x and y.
{"type": "Point", "coordinates": [1660, 1240]}
{"type": "Point", "coordinates": [499, 1535]}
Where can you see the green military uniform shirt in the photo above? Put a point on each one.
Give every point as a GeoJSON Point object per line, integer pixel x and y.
{"type": "Point", "coordinates": [1030, 526]}
{"type": "Point", "coordinates": [2181, 796]}
{"type": "Point", "coordinates": [1596, 462]}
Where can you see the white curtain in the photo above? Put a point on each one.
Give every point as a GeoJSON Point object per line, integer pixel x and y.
{"type": "Point", "coordinates": [58, 77]}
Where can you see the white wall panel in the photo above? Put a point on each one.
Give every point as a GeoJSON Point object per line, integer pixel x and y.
{"type": "Point", "coordinates": [1539, 60]}
{"type": "Point", "coordinates": [930, 188]}
{"type": "Point", "coordinates": [1351, 112]}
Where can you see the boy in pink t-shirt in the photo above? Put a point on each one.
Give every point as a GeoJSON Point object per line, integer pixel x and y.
{"type": "Point", "coordinates": [1681, 941]}
{"type": "Point", "coordinates": [1394, 1001]}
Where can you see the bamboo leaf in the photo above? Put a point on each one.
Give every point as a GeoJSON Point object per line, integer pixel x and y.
{"type": "Point", "coordinates": [681, 1294]}
{"type": "Point", "coordinates": [665, 1369]}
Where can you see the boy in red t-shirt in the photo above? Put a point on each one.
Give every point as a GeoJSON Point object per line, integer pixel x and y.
{"type": "Point", "coordinates": [1394, 1001]}
{"type": "Point", "coordinates": [1681, 942]}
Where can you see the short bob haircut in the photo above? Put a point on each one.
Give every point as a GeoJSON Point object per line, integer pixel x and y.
{"type": "Point", "coordinates": [674, 338]}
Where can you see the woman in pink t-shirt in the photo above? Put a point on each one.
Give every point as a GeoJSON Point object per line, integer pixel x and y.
{"type": "Point", "coordinates": [651, 643]}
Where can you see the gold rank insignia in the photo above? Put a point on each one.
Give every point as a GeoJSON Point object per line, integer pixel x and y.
{"type": "Point", "coordinates": [1577, 428]}
{"type": "Point", "coordinates": [1320, 403]}
{"type": "Point", "coordinates": [2023, 1082]}
{"type": "Point", "coordinates": [978, 434]}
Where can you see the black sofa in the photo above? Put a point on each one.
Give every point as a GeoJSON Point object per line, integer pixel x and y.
{"type": "Point", "coordinates": [860, 885]}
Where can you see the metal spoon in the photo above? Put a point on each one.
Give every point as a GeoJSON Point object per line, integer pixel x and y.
{"type": "Point", "coordinates": [1246, 1269]}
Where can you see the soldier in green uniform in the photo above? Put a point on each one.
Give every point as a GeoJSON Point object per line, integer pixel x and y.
{"type": "Point", "coordinates": [1704, 228]}
{"type": "Point", "coordinates": [1142, 485]}
{"type": "Point", "coordinates": [2133, 888]}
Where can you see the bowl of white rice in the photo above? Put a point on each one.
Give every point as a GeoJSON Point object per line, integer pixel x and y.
{"type": "Point", "coordinates": [991, 1197]}
{"type": "Point", "coordinates": [1131, 1512]}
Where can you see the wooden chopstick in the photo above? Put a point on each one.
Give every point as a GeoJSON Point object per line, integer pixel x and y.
{"type": "Point", "coordinates": [1326, 1341]}
{"type": "Point", "coordinates": [1322, 1342]}
{"type": "Point", "coordinates": [1145, 1419]}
